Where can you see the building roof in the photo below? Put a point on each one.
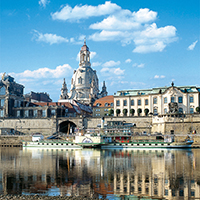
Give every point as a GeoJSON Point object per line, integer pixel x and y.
{"type": "Point", "coordinates": [101, 102]}
{"type": "Point", "coordinates": [68, 105]}
{"type": "Point", "coordinates": [137, 92]}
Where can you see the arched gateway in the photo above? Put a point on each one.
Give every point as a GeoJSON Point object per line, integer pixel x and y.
{"type": "Point", "coordinates": [67, 127]}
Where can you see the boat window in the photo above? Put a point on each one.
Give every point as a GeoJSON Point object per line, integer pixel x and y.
{"type": "Point", "coordinates": [114, 144]}
{"type": "Point", "coordinates": [149, 144]}
{"type": "Point", "coordinates": [143, 144]}
{"type": "Point", "coordinates": [156, 144]}
{"type": "Point", "coordinates": [51, 143]}
{"type": "Point", "coordinates": [137, 144]}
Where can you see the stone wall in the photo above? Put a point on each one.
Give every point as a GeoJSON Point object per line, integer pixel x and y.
{"type": "Point", "coordinates": [48, 126]}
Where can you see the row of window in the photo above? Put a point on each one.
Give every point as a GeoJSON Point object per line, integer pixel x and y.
{"type": "Point", "coordinates": [105, 105]}
{"type": "Point", "coordinates": [98, 110]}
{"type": "Point", "coordinates": [139, 103]}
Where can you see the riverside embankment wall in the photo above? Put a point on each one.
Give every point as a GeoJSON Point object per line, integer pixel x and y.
{"type": "Point", "coordinates": [48, 126]}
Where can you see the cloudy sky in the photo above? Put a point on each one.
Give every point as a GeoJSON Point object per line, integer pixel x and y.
{"type": "Point", "coordinates": [134, 44]}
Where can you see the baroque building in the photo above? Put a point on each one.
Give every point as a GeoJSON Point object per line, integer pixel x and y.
{"type": "Point", "coordinates": [11, 95]}
{"type": "Point", "coordinates": [157, 101]}
{"type": "Point", "coordinates": [84, 82]}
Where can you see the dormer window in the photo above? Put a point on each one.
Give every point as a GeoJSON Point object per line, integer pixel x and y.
{"type": "Point", "coordinates": [106, 104]}
{"type": "Point", "coordinates": [98, 104]}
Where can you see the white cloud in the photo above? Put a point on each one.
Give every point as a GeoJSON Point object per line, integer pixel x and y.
{"type": "Point", "coordinates": [49, 38]}
{"type": "Point", "coordinates": [128, 60]}
{"type": "Point", "coordinates": [157, 76]}
{"type": "Point", "coordinates": [125, 20]}
{"type": "Point", "coordinates": [138, 65]}
{"type": "Point", "coordinates": [43, 73]}
{"type": "Point", "coordinates": [112, 71]}
{"type": "Point", "coordinates": [85, 11]}
{"type": "Point", "coordinates": [159, 46]}
{"type": "Point", "coordinates": [111, 63]}
{"type": "Point", "coordinates": [192, 46]}
{"type": "Point", "coordinates": [92, 54]}
{"type": "Point", "coordinates": [96, 64]}
{"type": "Point", "coordinates": [43, 3]}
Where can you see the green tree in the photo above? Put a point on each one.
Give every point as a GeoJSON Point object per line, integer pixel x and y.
{"type": "Point", "coordinates": [198, 109]}
{"type": "Point", "coordinates": [111, 112]}
{"type": "Point", "coordinates": [118, 111]}
{"type": "Point", "coordinates": [146, 111]}
{"type": "Point", "coordinates": [139, 111]}
{"type": "Point", "coordinates": [125, 112]}
{"type": "Point", "coordinates": [132, 111]}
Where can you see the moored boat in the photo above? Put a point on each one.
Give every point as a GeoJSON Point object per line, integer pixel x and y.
{"type": "Point", "coordinates": [51, 144]}
{"type": "Point", "coordinates": [168, 142]}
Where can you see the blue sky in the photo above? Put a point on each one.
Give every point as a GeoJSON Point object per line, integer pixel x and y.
{"type": "Point", "coordinates": [135, 44]}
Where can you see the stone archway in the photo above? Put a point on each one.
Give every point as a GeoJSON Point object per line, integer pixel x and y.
{"type": "Point", "coordinates": [67, 127]}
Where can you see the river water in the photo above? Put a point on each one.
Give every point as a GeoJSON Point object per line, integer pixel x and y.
{"type": "Point", "coordinates": [111, 174]}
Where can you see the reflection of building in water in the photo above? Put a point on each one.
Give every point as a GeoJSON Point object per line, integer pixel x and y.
{"type": "Point", "coordinates": [37, 171]}
{"type": "Point", "coordinates": [158, 174]}
{"type": "Point", "coordinates": [154, 173]}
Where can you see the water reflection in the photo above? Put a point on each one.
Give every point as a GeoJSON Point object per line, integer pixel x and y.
{"type": "Point", "coordinates": [129, 174]}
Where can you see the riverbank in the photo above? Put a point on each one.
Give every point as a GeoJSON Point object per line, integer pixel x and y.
{"type": "Point", "coordinates": [38, 197]}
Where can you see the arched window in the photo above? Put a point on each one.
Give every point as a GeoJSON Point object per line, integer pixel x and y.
{"type": "Point", "coordinates": [180, 110]}
{"type": "Point", "coordinates": [155, 111]}
{"type": "Point", "coordinates": [132, 102]}
{"type": "Point", "coordinates": [2, 91]}
{"type": "Point", "coordinates": [191, 110]}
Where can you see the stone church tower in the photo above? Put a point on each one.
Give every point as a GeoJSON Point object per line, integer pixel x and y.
{"type": "Point", "coordinates": [84, 82]}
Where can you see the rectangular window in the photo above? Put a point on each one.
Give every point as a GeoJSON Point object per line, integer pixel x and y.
{"type": "Point", "coordinates": [2, 102]}
{"type": "Point", "coordinates": [146, 102]}
{"type": "Point", "coordinates": [18, 113]}
{"type": "Point", "coordinates": [97, 110]}
{"type": "Point", "coordinates": [26, 113]}
{"type": "Point", "coordinates": [132, 102]}
{"type": "Point", "coordinates": [191, 99]}
{"type": "Point", "coordinates": [165, 100]}
{"type": "Point", "coordinates": [34, 113]}
{"type": "Point", "coordinates": [53, 112]}
{"type": "Point", "coordinates": [191, 110]}
{"type": "Point", "coordinates": [125, 102]}
{"type": "Point", "coordinates": [139, 102]}
{"type": "Point", "coordinates": [180, 99]}
{"type": "Point", "coordinates": [165, 110]}
{"type": "Point", "coordinates": [118, 103]}
{"type": "Point", "coordinates": [44, 113]}
{"type": "Point", "coordinates": [1, 113]}
{"type": "Point", "coordinates": [172, 99]}
{"type": "Point", "coordinates": [155, 100]}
